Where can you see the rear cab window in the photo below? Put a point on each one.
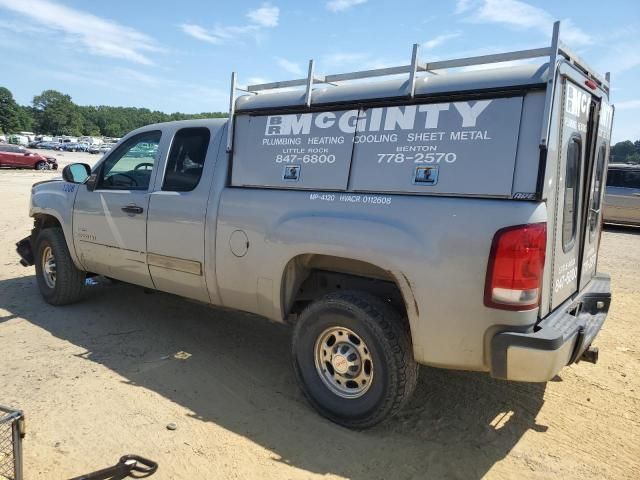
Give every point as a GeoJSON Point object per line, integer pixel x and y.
{"type": "Point", "coordinates": [186, 159]}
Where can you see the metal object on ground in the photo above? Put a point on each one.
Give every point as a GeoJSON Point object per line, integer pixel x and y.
{"type": "Point", "coordinates": [12, 432]}
{"type": "Point", "coordinates": [132, 466]}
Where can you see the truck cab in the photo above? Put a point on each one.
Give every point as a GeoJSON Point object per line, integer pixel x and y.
{"type": "Point", "coordinates": [445, 220]}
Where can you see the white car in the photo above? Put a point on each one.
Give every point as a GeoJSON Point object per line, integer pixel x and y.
{"type": "Point", "coordinates": [101, 148]}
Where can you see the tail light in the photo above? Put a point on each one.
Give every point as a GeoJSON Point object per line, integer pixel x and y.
{"type": "Point", "coordinates": [516, 264]}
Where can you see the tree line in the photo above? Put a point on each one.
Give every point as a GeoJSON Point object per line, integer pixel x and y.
{"type": "Point", "coordinates": [626, 152]}
{"type": "Point", "coordinates": [54, 113]}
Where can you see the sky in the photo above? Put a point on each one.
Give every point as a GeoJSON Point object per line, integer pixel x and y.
{"type": "Point", "coordinates": [180, 57]}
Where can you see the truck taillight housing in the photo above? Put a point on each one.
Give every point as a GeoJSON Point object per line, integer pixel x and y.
{"type": "Point", "coordinates": [516, 264]}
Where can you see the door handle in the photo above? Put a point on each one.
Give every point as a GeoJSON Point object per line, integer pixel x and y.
{"type": "Point", "coordinates": [132, 209]}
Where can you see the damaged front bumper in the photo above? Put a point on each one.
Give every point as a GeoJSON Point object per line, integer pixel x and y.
{"type": "Point", "coordinates": [25, 251]}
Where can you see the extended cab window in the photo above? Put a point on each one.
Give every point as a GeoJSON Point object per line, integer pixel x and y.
{"type": "Point", "coordinates": [623, 178]}
{"type": "Point", "coordinates": [129, 167]}
{"type": "Point", "coordinates": [186, 159]}
{"type": "Point", "coordinates": [571, 193]}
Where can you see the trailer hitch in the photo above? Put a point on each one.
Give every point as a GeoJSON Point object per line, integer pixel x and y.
{"type": "Point", "coordinates": [590, 355]}
{"type": "Point", "coordinates": [132, 466]}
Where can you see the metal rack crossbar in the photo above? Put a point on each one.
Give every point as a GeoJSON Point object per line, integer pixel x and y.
{"type": "Point", "coordinates": [556, 48]}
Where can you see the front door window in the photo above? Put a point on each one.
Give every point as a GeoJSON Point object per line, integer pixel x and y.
{"type": "Point", "coordinates": [130, 166]}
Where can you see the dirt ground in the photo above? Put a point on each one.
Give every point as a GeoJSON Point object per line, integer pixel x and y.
{"type": "Point", "coordinates": [104, 377]}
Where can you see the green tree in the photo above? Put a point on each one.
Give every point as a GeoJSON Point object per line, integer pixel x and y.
{"type": "Point", "coordinates": [622, 150]}
{"type": "Point", "coordinates": [57, 114]}
{"type": "Point", "coordinates": [635, 158]}
{"type": "Point", "coordinates": [25, 119]}
{"type": "Point", "coordinates": [113, 130]}
{"type": "Point", "coordinates": [9, 120]}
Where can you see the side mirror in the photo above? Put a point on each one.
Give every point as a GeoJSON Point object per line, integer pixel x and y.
{"type": "Point", "coordinates": [76, 172]}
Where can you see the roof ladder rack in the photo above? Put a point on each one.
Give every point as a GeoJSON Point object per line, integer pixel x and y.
{"type": "Point", "coordinates": [551, 81]}
{"type": "Point", "coordinates": [412, 69]}
{"type": "Point", "coordinates": [232, 111]}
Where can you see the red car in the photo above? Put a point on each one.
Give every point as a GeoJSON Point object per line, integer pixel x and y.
{"type": "Point", "coordinates": [14, 156]}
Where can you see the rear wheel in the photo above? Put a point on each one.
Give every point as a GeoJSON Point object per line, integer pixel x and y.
{"type": "Point", "coordinates": [353, 358]}
{"type": "Point", "coordinates": [59, 281]}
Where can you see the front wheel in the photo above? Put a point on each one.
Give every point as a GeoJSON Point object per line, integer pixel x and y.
{"type": "Point", "coordinates": [59, 281]}
{"type": "Point", "coordinates": [353, 358]}
{"type": "Point", "coordinates": [42, 166]}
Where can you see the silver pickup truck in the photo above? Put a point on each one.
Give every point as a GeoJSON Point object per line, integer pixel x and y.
{"type": "Point", "coordinates": [450, 220]}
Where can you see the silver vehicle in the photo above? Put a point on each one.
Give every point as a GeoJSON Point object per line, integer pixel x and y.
{"type": "Point", "coordinates": [445, 220]}
{"type": "Point", "coordinates": [622, 196]}
{"type": "Point", "coordinates": [101, 148]}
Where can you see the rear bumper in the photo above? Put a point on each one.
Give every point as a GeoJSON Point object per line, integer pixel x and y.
{"type": "Point", "coordinates": [557, 340]}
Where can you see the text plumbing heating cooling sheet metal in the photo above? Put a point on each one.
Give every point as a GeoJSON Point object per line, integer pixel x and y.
{"type": "Point", "coordinates": [308, 151]}
{"type": "Point", "coordinates": [457, 148]}
{"type": "Point", "coordinates": [463, 147]}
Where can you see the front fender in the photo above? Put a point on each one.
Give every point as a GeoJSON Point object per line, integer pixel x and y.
{"type": "Point", "coordinates": [55, 198]}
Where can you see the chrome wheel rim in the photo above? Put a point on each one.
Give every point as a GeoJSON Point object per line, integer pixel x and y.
{"type": "Point", "coordinates": [42, 166]}
{"type": "Point", "coordinates": [49, 267]}
{"type": "Point", "coordinates": [343, 362]}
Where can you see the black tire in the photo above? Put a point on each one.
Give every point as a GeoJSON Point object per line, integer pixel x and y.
{"type": "Point", "coordinates": [40, 165]}
{"type": "Point", "coordinates": [69, 281]}
{"type": "Point", "coordinates": [383, 330]}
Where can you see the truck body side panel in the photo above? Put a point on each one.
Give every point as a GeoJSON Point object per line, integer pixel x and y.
{"type": "Point", "coordinates": [549, 195]}
{"type": "Point", "coordinates": [436, 247]}
{"type": "Point", "coordinates": [595, 194]}
{"type": "Point", "coordinates": [572, 174]}
{"type": "Point", "coordinates": [218, 182]}
{"type": "Point", "coordinates": [568, 272]}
